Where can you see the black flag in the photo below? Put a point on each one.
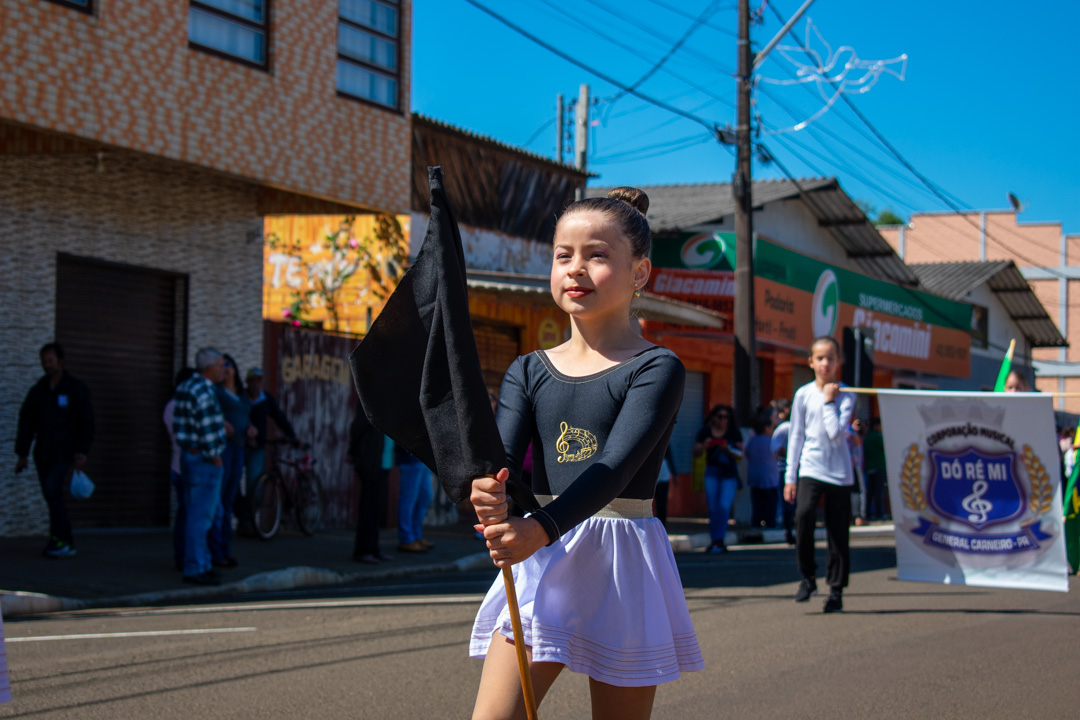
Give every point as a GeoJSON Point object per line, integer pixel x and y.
{"type": "Point", "coordinates": [418, 370]}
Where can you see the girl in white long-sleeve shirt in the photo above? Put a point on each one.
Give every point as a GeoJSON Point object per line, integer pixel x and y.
{"type": "Point", "coordinates": [819, 464]}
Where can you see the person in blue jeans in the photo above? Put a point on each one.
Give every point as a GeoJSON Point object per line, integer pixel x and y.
{"type": "Point", "coordinates": [413, 501]}
{"type": "Point", "coordinates": [199, 428]}
{"type": "Point", "coordinates": [721, 443]}
{"type": "Point", "coordinates": [236, 408]}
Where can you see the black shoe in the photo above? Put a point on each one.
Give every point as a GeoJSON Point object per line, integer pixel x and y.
{"type": "Point", "coordinates": [229, 562]}
{"type": "Point", "coordinates": [789, 538]}
{"type": "Point", "coordinates": [834, 603]}
{"type": "Point", "coordinates": [203, 579]}
{"type": "Point", "coordinates": [807, 589]}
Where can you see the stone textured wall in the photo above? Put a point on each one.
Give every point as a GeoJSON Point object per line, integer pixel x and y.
{"type": "Point", "coordinates": [124, 76]}
{"type": "Point", "coordinates": [138, 210]}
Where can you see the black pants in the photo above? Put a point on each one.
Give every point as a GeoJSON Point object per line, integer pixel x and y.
{"type": "Point", "coordinates": [763, 506]}
{"type": "Point", "coordinates": [53, 477]}
{"type": "Point", "coordinates": [373, 491]}
{"type": "Point", "coordinates": [837, 522]}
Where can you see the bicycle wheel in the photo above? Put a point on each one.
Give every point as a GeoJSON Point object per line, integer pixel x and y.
{"type": "Point", "coordinates": [308, 502]}
{"type": "Point", "coordinates": [266, 505]}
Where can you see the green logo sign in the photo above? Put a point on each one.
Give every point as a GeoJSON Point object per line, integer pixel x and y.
{"type": "Point", "coordinates": [826, 308]}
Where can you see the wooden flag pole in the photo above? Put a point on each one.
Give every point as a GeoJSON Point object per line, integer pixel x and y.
{"type": "Point", "coordinates": [519, 644]}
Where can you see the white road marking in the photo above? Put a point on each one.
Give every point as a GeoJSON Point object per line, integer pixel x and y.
{"type": "Point", "coordinates": [148, 633]}
{"type": "Point", "coordinates": [367, 602]}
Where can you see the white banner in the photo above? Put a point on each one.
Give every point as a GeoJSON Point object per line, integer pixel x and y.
{"type": "Point", "coordinates": [975, 488]}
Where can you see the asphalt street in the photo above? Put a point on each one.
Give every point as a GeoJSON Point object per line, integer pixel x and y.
{"type": "Point", "coordinates": [399, 651]}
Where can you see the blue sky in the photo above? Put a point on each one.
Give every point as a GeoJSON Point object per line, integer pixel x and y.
{"type": "Point", "coordinates": [990, 102]}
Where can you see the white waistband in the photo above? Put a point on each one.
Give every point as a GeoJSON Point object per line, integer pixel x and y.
{"type": "Point", "coordinates": [624, 508]}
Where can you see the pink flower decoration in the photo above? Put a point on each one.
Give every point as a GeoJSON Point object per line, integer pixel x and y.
{"type": "Point", "coordinates": [296, 323]}
{"type": "Point", "coordinates": [286, 313]}
{"type": "Point", "coordinates": [353, 243]}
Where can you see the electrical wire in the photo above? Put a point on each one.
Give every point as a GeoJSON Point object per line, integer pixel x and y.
{"type": "Point", "coordinates": [603, 76]}
{"type": "Point", "coordinates": [944, 196]}
{"type": "Point", "coordinates": [666, 146]}
{"type": "Point", "coordinates": [679, 11]}
{"type": "Point", "coordinates": [636, 52]}
{"type": "Point", "coordinates": [694, 26]}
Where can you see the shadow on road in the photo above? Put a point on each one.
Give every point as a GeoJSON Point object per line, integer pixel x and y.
{"type": "Point", "coordinates": [765, 566]}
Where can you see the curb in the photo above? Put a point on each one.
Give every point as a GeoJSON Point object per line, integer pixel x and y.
{"type": "Point", "coordinates": [24, 604]}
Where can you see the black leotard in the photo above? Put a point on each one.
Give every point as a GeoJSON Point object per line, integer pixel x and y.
{"type": "Point", "coordinates": [594, 438]}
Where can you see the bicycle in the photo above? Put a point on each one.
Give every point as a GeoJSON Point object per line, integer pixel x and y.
{"type": "Point", "coordinates": [290, 483]}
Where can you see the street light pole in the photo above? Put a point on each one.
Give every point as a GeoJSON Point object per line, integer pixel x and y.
{"type": "Point", "coordinates": [745, 375]}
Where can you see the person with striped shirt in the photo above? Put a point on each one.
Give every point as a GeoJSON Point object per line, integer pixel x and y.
{"type": "Point", "coordinates": [200, 431]}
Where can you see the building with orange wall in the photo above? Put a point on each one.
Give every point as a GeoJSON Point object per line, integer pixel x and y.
{"type": "Point", "coordinates": [1047, 257]}
{"type": "Point", "coordinates": [142, 142]}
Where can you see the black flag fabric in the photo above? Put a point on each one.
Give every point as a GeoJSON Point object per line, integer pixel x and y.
{"type": "Point", "coordinates": [418, 371]}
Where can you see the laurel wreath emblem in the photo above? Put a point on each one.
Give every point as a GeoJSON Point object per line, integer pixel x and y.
{"type": "Point", "coordinates": [911, 480]}
{"type": "Point", "coordinates": [1041, 494]}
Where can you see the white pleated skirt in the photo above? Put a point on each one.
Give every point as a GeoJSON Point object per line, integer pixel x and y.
{"type": "Point", "coordinates": [605, 600]}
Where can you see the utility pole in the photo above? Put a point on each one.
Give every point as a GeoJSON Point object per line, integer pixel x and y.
{"type": "Point", "coordinates": [581, 134]}
{"type": "Point", "coordinates": [745, 378]}
{"type": "Point", "coordinates": [558, 126]}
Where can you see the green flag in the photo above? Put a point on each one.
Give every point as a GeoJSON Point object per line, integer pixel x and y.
{"type": "Point", "coordinates": [1072, 510]}
{"type": "Point", "coordinates": [1006, 366]}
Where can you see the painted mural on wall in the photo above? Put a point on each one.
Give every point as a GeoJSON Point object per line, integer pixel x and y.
{"type": "Point", "coordinates": [315, 388]}
{"type": "Point", "coordinates": [331, 271]}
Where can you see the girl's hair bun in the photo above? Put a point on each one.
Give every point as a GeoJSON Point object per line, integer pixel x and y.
{"type": "Point", "coordinates": [631, 196]}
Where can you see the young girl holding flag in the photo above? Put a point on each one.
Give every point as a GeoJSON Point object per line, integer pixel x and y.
{"type": "Point", "coordinates": [593, 569]}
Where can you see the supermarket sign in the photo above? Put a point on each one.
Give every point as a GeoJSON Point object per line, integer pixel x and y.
{"type": "Point", "coordinates": [798, 298]}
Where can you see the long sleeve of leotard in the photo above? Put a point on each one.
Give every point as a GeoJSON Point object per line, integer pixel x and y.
{"type": "Point", "coordinates": [644, 419]}
{"type": "Point", "coordinates": [514, 417]}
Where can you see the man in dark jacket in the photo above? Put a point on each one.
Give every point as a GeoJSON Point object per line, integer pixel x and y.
{"type": "Point", "coordinates": [57, 419]}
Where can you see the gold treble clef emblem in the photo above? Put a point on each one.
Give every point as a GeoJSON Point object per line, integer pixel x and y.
{"type": "Point", "coordinates": [585, 440]}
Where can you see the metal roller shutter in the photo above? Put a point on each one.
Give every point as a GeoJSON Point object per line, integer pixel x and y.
{"type": "Point", "coordinates": [691, 416]}
{"type": "Point", "coordinates": [124, 331]}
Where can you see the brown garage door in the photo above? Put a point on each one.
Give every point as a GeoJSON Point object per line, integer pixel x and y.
{"type": "Point", "coordinates": [124, 331]}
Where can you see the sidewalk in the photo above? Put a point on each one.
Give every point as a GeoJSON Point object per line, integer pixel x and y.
{"type": "Point", "coordinates": [134, 568]}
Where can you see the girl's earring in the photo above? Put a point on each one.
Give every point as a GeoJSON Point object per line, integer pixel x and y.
{"type": "Point", "coordinates": [637, 291]}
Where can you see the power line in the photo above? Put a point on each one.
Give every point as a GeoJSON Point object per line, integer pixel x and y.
{"type": "Point", "coordinates": [636, 52]}
{"type": "Point", "coordinates": [667, 146]}
{"type": "Point", "coordinates": [603, 76]}
{"type": "Point", "coordinates": [945, 197]}
{"type": "Point", "coordinates": [697, 23]}
{"type": "Point", "coordinates": [679, 11]}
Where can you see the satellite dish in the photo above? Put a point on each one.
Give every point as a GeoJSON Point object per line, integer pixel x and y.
{"type": "Point", "coordinates": [1015, 202]}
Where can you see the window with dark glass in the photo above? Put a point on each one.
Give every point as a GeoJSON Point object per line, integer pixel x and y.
{"type": "Point", "coordinates": [236, 28]}
{"type": "Point", "coordinates": [85, 5]}
{"type": "Point", "coordinates": [368, 50]}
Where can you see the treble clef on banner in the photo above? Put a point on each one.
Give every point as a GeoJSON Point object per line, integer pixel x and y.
{"type": "Point", "coordinates": [975, 504]}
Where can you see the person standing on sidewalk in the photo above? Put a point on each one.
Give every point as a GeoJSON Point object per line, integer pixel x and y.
{"type": "Point", "coordinates": [57, 418]}
{"type": "Point", "coordinates": [761, 472]}
{"type": "Point", "coordinates": [721, 443]}
{"type": "Point", "coordinates": [413, 500]}
{"type": "Point", "coordinates": [264, 407]}
{"type": "Point", "coordinates": [236, 409]}
{"type": "Point", "coordinates": [366, 446]}
{"type": "Point", "coordinates": [200, 432]}
{"type": "Point", "coordinates": [778, 445]}
{"type": "Point", "coordinates": [874, 472]}
{"type": "Point", "coordinates": [180, 520]}
{"type": "Point", "coordinates": [819, 464]}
